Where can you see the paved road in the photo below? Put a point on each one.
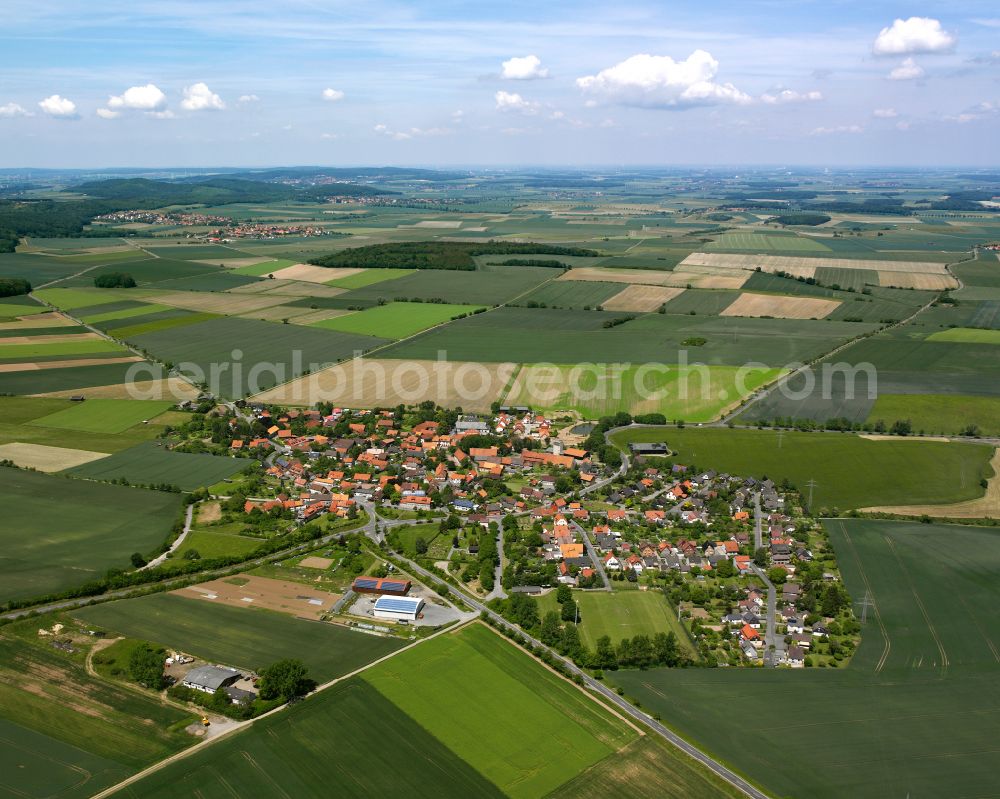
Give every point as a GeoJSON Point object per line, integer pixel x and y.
{"type": "Point", "coordinates": [775, 643]}
{"type": "Point", "coordinates": [758, 523]}
{"type": "Point", "coordinates": [595, 685]}
{"type": "Point", "coordinates": [598, 563]}
{"type": "Point", "coordinates": [188, 516]}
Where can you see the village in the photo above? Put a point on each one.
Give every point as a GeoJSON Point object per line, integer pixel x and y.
{"type": "Point", "coordinates": [751, 578]}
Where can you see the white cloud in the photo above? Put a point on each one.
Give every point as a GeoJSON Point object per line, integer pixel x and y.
{"type": "Point", "coordinates": [166, 113]}
{"type": "Point", "coordinates": [511, 101]}
{"type": "Point", "coordinates": [836, 129]}
{"type": "Point", "coordinates": [57, 106]}
{"type": "Point", "coordinates": [913, 35]}
{"type": "Point", "coordinates": [791, 96]}
{"type": "Point", "coordinates": [107, 113]}
{"type": "Point", "coordinates": [528, 67]}
{"type": "Point", "coordinates": [199, 97]}
{"type": "Point", "coordinates": [140, 98]}
{"type": "Point", "coordinates": [248, 98]}
{"type": "Point", "coordinates": [14, 110]}
{"type": "Point", "coordinates": [329, 136]}
{"type": "Point", "coordinates": [901, 125]}
{"type": "Point", "coordinates": [653, 81]}
{"type": "Point", "coordinates": [410, 133]}
{"type": "Point", "coordinates": [332, 95]}
{"type": "Point", "coordinates": [908, 70]}
{"type": "Point", "coordinates": [980, 111]}
{"type": "Point", "coordinates": [885, 113]}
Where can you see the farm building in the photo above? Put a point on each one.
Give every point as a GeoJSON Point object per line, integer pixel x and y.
{"type": "Point", "coordinates": [380, 585]}
{"type": "Point", "coordinates": [210, 679]}
{"type": "Point", "coordinates": [649, 449]}
{"type": "Point", "coordinates": [399, 608]}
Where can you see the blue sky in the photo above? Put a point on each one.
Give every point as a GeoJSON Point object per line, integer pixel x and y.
{"type": "Point", "coordinates": [184, 83]}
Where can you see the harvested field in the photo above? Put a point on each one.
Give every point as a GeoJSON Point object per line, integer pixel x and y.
{"type": "Point", "coordinates": [34, 366]}
{"type": "Point", "coordinates": [47, 459]}
{"type": "Point", "coordinates": [986, 507]}
{"type": "Point", "coordinates": [309, 317]}
{"type": "Point", "coordinates": [707, 277]}
{"type": "Point", "coordinates": [643, 299]}
{"type": "Point", "coordinates": [209, 512]}
{"type": "Point", "coordinates": [315, 562]}
{"type": "Point", "coordinates": [235, 263]}
{"type": "Point", "coordinates": [294, 599]}
{"type": "Point", "coordinates": [52, 338]}
{"type": "Point", "coordinates": [51, 319]}
{"type": "Point", "coordinates": [313, 274]}
{"type": "Point", "coordinates": [780, 307]}
{"type": "Point", "coordinates": [220, 303]}
{"type": "Point", "coordinates": [926, 282]}
{"type": "Point", "coordinates": [369, 383]}
{"type": "Point", "coordinates": [277, 313]}
{"type": "Point", "coordinates": [170, 388]}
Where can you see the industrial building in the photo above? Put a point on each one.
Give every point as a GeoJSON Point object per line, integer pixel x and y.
{"type": "Point", "coordinates": [380, 585]}
{"type": "Point", "coordinates": [398, 608]}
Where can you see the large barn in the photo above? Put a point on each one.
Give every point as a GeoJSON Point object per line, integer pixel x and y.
{"type": "Point", "coordinates": [398, 608]}
{"type": "Point", "coordinates": [380, 585]}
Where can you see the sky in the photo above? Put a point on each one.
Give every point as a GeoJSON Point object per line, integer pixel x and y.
{"type": "Point", "coordinates": [774, 82]}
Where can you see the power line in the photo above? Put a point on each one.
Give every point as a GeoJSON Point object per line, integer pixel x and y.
{"type": "Point", "coordinates": [865, 604]}
{"type": "Point", "coordinates": [812, 484]}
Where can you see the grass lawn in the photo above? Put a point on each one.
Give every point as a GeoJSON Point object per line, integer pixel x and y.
{"type": "Point", "coordinates": [967, 335]}
{"type": "Point", "coordinates": [347, 741]}
{"type": "Point", "coordinates": [396, 320]}
{"type": "Point", "coordinates": [622, 614]}
{"type": "Point", "coordinates": [939, 413]}
{"type": "Point", "coordinates": [60, 533]}
{"type": "Point", "coordinates": [214, 543]}
{"type": "Point", "coordinates": [678, 392]}
{"type": "Point", "coordinates": [150, 463]}
{"type": "Point", "coordinates": [104, 415]}
{"type": "Point", "coordinates": [913, 711]}
{"type": "Point", "coordinates": [243, 637]}
{"type": "Point", "coordinates": [520, 726]}
{"type": "Point", "coordinates": [850, 472]}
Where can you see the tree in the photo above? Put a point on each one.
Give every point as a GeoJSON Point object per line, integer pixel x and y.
{"type": "Point", "coordinates": [145, 666]}
{"type": "Point", "coordinates": [568, 611]}
{"type": "Point", "coordinates": [551, 629]}
{"type": "Point", "coordinates": [760, 557]}
{"type": "Point", "coordinates": [564, 594]}
{"type": "Point", "coordinates": [138, 561]}
{"type": "Point", "coordinates": [604, 657]}
{"type": "Point", "coordinates": [667, 651]}
{"type": "Point", "coordinates": [777, 575]}
{"type": "Point", "coordinates": [285, 679]}
{"type": "Point", "coordinates": [420, 545]}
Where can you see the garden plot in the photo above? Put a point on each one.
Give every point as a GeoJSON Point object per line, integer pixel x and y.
{"type": "Point", "coordinates": [369, 383]}
{"type": "Point", "coordinates": [780, 307]}
{"type": "Point", "coordinates": [643, 299]}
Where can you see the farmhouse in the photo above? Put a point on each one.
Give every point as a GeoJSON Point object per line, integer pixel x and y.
{"type": "Point", "coordinates": [209, 679]}
{"type": "Point", "coordinates": [398, 608]}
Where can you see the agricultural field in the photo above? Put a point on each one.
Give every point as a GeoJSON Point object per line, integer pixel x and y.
{"type": "Point", "coordinates": [384, 382]}
{"type": "Point", "coordinates": [242, 637]}
{"type": "Point", "coordinates": [949, 414]}
{"type": "Point", "coordinates": [572, 294]}
{"type": "Point", "coordinates": [766, 243]}
{"type": "Point", "coordinates": [45, 458]}
{"type": "Point", "coordinates": [66, 734]}
{"type": "Point", "coordinates": [850, 471]}
{"type": "Point", "coordinates": [528, 731]}
{"type": "Point", "coordinates": [965, 335]}
{"type": "Point", "coordinates": [622, 614]}
{"type": "Point", "coordinates": [367, 277]}
{"type": "Point", "coordinates": [691, 393]}
{"type": "Point", "coordinates": [60, 533]}
{"type": "Point", "coordinates": [771, 305]}
{"type": "Point", "coordinates": [303, 752]}
{"type": "Point", "coordinates": [918, 692]}
{"type": "Point", "coordinates": [270, 353]}
{"type": "Point", "coordinates": [150, 463]}
{"type": "Point", "coordinates": [396, 320]}
{"type": "Point", "coordinates": [641, 299]}
{"type": "Point", "coordinates": [104, 415]}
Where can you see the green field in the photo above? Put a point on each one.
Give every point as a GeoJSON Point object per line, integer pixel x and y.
{"type": "Point", "coordinates": [211, 544]}
{"type": "Point", "coordinates": [967, 335]}
{"type": "Point", "coordinates": [59, 533]}
{"type": "Point", "coordinates": [766, 243]}
{"type": "Point", "coordinates": [573, 294]}
{"type": "Point", "coordinates": [482, 287]}
{"type": "Point", "coordinates": [125, 313]}
{"type": "Point", "coordinates": [694, 394]}
{"type": "Point", "coordinates": [158, 322]}
{"type": "Point", "coordinates": [368, 277]}
{"type": "Point", "coordinates": [62, 379]}
{"type": "Point", "coordinates": [104, 415]}
{"type": "Point", "coordinates": [266, 268]}
{"type": "Point", "coordinates": [622, 614]}
{"type": "Point", "coordinates": [242, 637]}
{"type": "Point", "coordinates": [520, 726]}
{"type": "Point", "coordinates": [84, 346]}
{"type": "Point", "coordinates": [949, 414]}
{"type": "Point", "coordinates": [348, 741]}
{"type": "Point", "coordinates": [914, 712]}
{"type": "Point", "coordinates": [850, 472]}
{"type": "Point", "coordinates": [71, 299]}
{"type": "Point", "coordinates": [150, 463]}
{"type": "Point", "coordinates": [396, 320]}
